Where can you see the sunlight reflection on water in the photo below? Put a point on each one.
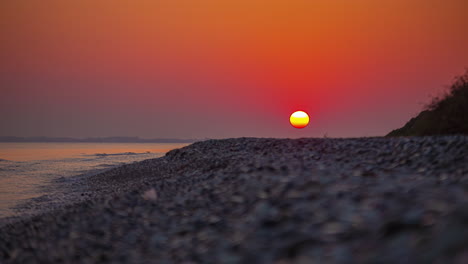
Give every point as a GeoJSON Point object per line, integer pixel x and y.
{"type": "Point", "coordinates": [26, 167]}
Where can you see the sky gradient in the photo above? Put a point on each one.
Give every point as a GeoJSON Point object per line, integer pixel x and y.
{"type": "Point", "coordinates": [216, 69]}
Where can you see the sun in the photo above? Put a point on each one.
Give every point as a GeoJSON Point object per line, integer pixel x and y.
{"type": "Point", "coordinates": [299, 119]}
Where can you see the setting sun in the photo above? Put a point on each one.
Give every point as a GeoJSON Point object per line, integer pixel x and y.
{"type": "Point", "coordinates": [299, 119]}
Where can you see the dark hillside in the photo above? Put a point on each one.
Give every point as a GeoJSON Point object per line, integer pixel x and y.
{"type": "Point", "coordinates": [444, 116]}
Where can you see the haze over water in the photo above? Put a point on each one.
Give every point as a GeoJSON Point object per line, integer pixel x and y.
{"type": "Point", "coordinates": [28, 170]}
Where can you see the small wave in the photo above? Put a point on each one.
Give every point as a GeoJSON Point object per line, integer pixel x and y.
{"type": "Point", "coordinates": [110, 165]}
{"type": "Point", "coordinates": [120, 154]}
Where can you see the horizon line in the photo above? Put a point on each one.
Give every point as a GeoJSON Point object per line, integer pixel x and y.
{"type": "Point", "coordinates": [113, 139]}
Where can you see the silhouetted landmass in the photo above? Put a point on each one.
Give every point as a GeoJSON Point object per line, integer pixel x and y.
{"type": "Point", "coordinates": [443, 116]}
{"type": "Point", "coordinates": [96, 140]}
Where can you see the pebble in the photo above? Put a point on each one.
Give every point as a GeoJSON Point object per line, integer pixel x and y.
{"type": "Point", "coordinates": [150, 195]}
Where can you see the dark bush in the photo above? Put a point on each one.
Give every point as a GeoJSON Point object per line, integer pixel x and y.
{"type": "Point", "coordinates": [445, 115]}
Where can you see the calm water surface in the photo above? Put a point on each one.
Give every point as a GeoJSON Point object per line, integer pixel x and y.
{"type": "Point", "coordinates": [26, 168]}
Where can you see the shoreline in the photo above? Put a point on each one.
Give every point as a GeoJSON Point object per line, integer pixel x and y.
{"type": "Point", "coordinates": [61, 192]}
{"type": "Point", "coordinates": [308, 199]}
{"type": "Point", "coordinates": [31, 183]}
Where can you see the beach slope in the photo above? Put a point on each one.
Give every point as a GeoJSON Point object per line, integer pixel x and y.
{"type": "Point", "coordinates": [250, 200]}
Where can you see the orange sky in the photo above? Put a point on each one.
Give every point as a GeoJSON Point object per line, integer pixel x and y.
{"type": "Point", "coordinates": [211, 68]}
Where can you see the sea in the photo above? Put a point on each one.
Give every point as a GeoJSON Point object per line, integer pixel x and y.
{"type": "Point", "coordinates": [26, 169]}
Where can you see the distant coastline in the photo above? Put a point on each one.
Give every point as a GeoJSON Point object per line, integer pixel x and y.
{"type": "Point", "coordinates": [6, 139]}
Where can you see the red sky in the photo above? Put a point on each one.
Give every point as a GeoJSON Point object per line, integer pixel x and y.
{"type": "Point", "coordinates": [211, 68]}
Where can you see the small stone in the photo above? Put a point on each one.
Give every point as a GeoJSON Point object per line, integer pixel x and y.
{"type": "Point", "coordinates": [294, 194]}
{"type": "Point", "coordinates": [213, 219]}
{"type": "Point", "coordinates": [150, 195]}
{"type": "Point", "coordinates": [237, 199]}
{"type": "Point", "coordinates": [333, 228]}
{"type": "Point", "coordinates": [262, 195]}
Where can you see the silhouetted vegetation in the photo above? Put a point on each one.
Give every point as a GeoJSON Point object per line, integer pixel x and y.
{"type": "Point", "coordinates": [445, 115]}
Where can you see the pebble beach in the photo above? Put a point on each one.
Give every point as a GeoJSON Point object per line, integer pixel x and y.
{"type": "Point", "coordinates": [261, 200]}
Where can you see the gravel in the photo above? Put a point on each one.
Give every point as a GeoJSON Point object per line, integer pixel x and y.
{"type": "Point", "coordinates": [252, 200]}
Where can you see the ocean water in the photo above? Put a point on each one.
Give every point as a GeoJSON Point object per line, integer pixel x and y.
{"type": "Point", "coordinates": [27, 170]}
